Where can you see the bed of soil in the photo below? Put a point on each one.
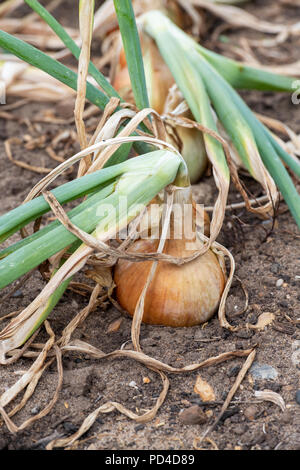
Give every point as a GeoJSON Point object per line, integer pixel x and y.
{"type": "Point", "coordinates": [263, 254]}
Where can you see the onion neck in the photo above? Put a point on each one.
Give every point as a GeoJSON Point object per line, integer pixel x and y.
{"type": "Point", "coordinates": [182, 220]}
{"type": "Point", "coordinates": [182, 179]}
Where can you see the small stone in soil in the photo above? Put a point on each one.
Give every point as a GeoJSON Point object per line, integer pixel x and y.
{"type": "Point", "coordinates": [298, 397]}
{"type": "Point", "coordinates": [286, 417]}
{"type": "Point", "coordinates": [296, 358]}
{"type": "Point", "coordinates": [193, 415]}
{"type": "Point", "coordinates": [279, 282]}
{"type": "Point", "coordinates": [263, 371]}
{"type": "Point", "coordinates": [35, 410]}
{"type": "Point", "coordinates": [18, 293]}
{"type": "Point", "coordinates": [251, 412]}
{"type": "Point", "coordinates": [275, 268]}
{"type": "Point", "coordinates": [133, 384]}
{"type": "Point", "coordinates": [69, 427]}
{"type": "Point", "coordinates": [139, 427]}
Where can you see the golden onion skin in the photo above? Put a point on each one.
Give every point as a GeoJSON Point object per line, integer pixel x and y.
{"type": "Point", "coordinates": [158, 76]}
{"type": "Point", "coordinates": [178, 296]}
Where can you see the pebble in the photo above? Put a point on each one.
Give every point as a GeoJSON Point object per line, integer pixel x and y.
{"type": "Point", "coordinates": [35, 410]}
{"type": "Point", "coordinates": [275, 268]}
{"type": "Point", "coordinates": [251, 412]}
{"type": "Point", "coordinates": [263, 371]}
{"type": "Point", "coordinates": [298, 397]}
{"type": "Point", "coordinates": [233, 371]}
{"type": "Point", "coordinates": [69, 427]}
{"type": "Point", "coordinates": [18, 293]}
{"type": "Point", "coordinates": [286, 417]}
{"type": "Point", "coordinates": [279, 282]}
{"type": "Point", "coordinates": [139, 427]}
{"type": "Point", "coordinates": [211, 371]}
{"type": "Point", "coordinates": [133, 384]}
{"type": "Point", "coordinates": [193, 415]}
{"type": "Point", "coordinates": [296, 345]}
{"type": "Point", "coordinates": [74, 305]}
{"type": "Point", "coordinates": [295, 358]}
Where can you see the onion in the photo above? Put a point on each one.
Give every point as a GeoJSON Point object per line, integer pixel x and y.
{"type": "Point", "coordinates": [178, 295]}
{"type": "Point", "coordinates": [159, 82]}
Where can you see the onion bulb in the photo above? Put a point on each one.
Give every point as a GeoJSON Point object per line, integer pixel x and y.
{"type": "Point", "coordinates": [158, 76]}
{"type": "Point", "coordinates": [178, 295]}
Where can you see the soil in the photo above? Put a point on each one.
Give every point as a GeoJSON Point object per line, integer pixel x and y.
{"type": "Point", "coordinates": [263, 255]}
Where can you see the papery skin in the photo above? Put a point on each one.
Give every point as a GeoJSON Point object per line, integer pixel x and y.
{"type": "Point", "coordinates": [178, 296]}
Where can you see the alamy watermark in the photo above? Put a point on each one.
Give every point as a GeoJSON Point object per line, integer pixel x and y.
{"type": "Point", "coordinates": [147, 221]}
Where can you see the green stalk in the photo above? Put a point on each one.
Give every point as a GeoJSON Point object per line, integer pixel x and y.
{"type": "Point", "coordinates": [17, 218]}
{"type": "Point", "coordinates": [231, 109]}
{"type": "Point", "coordinates": [245, 77]}
{"type": "Point", "coordinates": [37, 235]}
{"type": "Point", "coordinates": [267, 150]}
{"type": "Point", "coordinates": [189, 82]}
{"type": "Point", "coordinates": [152, 171]}
{"type": "Point", "coordinates": [230, 116]}
{"type": "Point", "coordinates": [144, 178]}
{"type": "Point", "coordinates": [292, 163]}
{"type": "Point", "coordinates": [120, 154]}
{"type": "Point", "coordinates": [35, 57]}
{"type": "Point", "coordinates": [132, 48]}
{"type": "Point", "coordinates": [212, 77]}
{"type": "Point", "coordinates": [240, 76]}
{"type": "Point", "coordinates": [50, 240]}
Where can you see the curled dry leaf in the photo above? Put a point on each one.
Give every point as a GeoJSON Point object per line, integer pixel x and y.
{"type": "Point", "coordinates": [274, 397]}
{"type": "Point", "coordinates": [103, 276]}
{"type": "Point", "coordinates": [264, 319]}
{"type": "Point", "coordinates": [114, 325]}
{"type": "Point", "coordinates": [204, 389]}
